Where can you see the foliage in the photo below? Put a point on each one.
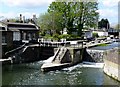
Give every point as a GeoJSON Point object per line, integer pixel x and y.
{"type": "Point", "coordinates": [72, 36]}
{"type": "Point", "coordinates": [104, 23]}
{"type": "Point", "coordinates": [50, 23]}
{"type": "Point", "coordinates": [75, 15]}
{"type": "Point", "coordinates": [47, 36]}
{"type": "Point", "coordinates": [102, 45]}
{"type": "Point", "coordinates": [12, 20]}
{"type": "Point", "coordinates": [64, 36]}
{"type": "Point", "coordinates": [56, 36]}
{"type": "Point", "coordinates": [68, 36]}
{"type": "Point", "coordinates": [95, 35]}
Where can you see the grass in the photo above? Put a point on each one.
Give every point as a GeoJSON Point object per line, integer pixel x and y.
{"type": "Point", "coordinates": [102, 45]}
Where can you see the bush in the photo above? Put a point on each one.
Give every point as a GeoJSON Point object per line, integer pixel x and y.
{"type": "Point", "coordinates": [95, 35]}
{"type": "Point", "coordinates": [56, 36]}
{"type": "Point", "coordinates": [72, 36]}
{"type": "Point", "coordinates": [64, 36]}
{"type": "Point", "coordinates": [47, 36]}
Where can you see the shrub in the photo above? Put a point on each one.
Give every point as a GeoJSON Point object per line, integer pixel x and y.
{"type": "Point", "coordinates": [64, 36]}
{"type": "Point", "coordinates": [95, 35]}
{"type": "Point", "coordinates": [56, 36]}
{"type": "Point", "coordinates": [47, 36]}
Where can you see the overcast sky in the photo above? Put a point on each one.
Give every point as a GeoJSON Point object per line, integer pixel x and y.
{"type": "Point", "coordinates": [12, 8]}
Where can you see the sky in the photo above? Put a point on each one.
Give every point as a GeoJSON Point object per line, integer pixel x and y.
{"type": "Point", "coordinates": [13, 8]}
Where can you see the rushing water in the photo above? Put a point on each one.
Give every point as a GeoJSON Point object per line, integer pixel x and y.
{"type": "Point", "coordinates": [30, 74]}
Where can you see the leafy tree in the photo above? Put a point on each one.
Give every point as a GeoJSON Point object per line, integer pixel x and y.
{"type": "Point", "coordinates": [48, 23]}
{"type": "Point", "coordinates": [12, 20]}
{"type": "Point", "coordinates": [104, 23]}
{"type": "Point", "coordinates": [75, 15]}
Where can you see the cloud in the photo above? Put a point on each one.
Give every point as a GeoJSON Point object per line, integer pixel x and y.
{"type": "Point", "coordinates": [16, 15]}
{"type": "Point", "coordinates": [110, 3]}
{"type": "Point", "coordinates": [26, 3]}
{"type": "Point", "coordinates": [108, 13]}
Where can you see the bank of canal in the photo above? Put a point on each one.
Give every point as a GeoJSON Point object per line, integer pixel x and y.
{"type": "Point", "coordinates": [30, 74]}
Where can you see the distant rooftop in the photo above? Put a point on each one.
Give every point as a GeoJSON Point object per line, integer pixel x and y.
{"type": "Point", "coordinates": [19, 26]}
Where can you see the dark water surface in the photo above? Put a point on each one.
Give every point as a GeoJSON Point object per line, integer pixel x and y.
{"type": "Point", "coordinates": [30, 74]}
{"type": "Point", "coordinates": [109, 46]}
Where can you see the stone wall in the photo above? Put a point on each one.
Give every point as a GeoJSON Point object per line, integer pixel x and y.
{"type": "Point", "coordinates": [111, 59]}
{"type": "Point", "coordinates": [91, 55]}
{"type": "Point", "coordinates": [112, 63]}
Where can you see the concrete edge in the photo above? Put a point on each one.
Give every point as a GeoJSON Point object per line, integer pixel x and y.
{"type": "Point", "coordinates": [0, 58]}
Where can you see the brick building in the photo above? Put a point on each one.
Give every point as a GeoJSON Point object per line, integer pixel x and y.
{"type": "Point", "coordinates": [18, 33]}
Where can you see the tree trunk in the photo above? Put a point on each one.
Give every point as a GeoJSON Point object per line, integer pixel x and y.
{"type": "Point", "coordinates": [80, 27]}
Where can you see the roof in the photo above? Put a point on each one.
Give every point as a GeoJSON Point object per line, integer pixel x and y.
{"type": "Point", "coordinates": [20, 26]}
{"type": "Point", "coordinates": [15, 23]}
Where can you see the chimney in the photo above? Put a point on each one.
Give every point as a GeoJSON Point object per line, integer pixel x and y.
{"type": "Point", "coordinates": [34, 19]}
{"type": "Point", "coordinates": [20, 17]}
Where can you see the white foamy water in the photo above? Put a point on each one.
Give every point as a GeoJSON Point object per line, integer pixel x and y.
{"type": "Point", "coordinates": [92, 64]}
{"type": "Point", "coordinates": [73, 67]}
{"type": "Point", "coordinates": [85, 64]}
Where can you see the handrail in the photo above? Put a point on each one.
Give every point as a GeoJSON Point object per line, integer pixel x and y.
{"type": "Point", "coordinates": [63, 54]}
{"type": "Point", "coordinates": [25, 48]}
{"type": "Point", "coordinates": [15, 49]}
{"type": "Point", "coordinates": [56, 54]}
{"type": "Point", "coordinates": [60, 52]}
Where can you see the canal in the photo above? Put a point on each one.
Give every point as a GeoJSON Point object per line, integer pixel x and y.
{"type": "Point", "coordinates": [109, 46]}
{"type": "Point", "coordinates": [30, 74]}
{"type": "Point", "coordinates": [81, 74]}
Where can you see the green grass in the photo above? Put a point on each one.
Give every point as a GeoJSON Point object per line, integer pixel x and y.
{"type": "Point", "coordinates": [102, 45]}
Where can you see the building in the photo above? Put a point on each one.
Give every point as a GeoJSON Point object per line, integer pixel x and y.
{"type": "Point", "coordinates": [87, 34]}
{"type": "Point", "coordinates": [101, 32]}
{"type": "Point", "coordinates": [18, 33]}
{"type": "Point", "coordinates": [114, 32]}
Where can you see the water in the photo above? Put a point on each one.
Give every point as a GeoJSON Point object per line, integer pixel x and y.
{"type": "Point", "coordinates": [81, 74]}
{"type": "Point", "coordinates": [109, 46]}
{"type": "Point", "coordinates": [30, 74]}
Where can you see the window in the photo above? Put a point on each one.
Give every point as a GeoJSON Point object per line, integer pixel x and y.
{"type": "Point", "coordinates": [3, 39]}
{"type": "Point", "coordinates": [16, 36]}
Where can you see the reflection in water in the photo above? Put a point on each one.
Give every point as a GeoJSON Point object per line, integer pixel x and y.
{"type": "Point", "coordinates": [110, 46]}
{"type": "Point", "coordinates": [30, 74]}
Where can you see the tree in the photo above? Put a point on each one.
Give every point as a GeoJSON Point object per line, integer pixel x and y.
{"type": "Point", "coordinates": [47, 23]}
{"type": "Point", "coordinates": [76, 15]}
{"type": "Point", "coordinates": [104, 23]}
